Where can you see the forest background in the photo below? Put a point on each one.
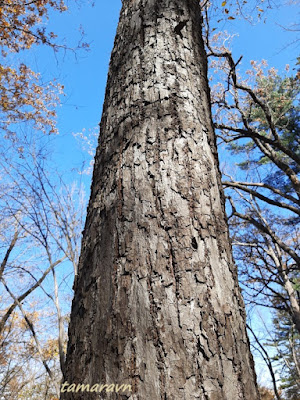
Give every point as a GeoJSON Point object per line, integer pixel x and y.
{"type": "Point", "coordinates": [52, 88]}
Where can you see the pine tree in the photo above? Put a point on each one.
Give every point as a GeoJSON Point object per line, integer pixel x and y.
{"type": "Point", "coordinates": [287, 345]}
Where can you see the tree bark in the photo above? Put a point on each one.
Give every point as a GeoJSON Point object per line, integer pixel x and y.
{"type": "Point", "coordinates": [157, 303]}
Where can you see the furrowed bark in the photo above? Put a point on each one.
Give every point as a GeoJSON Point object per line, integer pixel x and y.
{"type": "Point", "coordinates": [157, 303]}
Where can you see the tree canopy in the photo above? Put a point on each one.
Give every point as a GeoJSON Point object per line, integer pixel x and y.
{"type": "Point", "coordinates": [24, 97]}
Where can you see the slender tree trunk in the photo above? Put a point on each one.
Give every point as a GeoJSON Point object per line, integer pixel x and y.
{"type": "Point", "coordinates": [157, 303]}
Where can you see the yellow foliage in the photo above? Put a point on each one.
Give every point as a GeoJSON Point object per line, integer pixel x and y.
{"type": "Point", "coordinates": [22, 95]}
{"type": "Point", "coordinates": [266, 394]}
{"type": "Point", "coordinates": [50, 350]}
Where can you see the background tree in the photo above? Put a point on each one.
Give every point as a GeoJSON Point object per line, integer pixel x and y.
{"type": "Point", "coordinates": [258, 118]}
{"type": "Point", "coordinates": [23, 95]}
{"type": "Point", "coordinates": [265, 229]}
{"type": "Point", "coordinates": [32, 85]}
{"type": "Point", "coordinates": [286, 341]}
{"type": "Point", "coordinates": [41, 223]}
{"type": "Point", "coordinates": [41, 215]}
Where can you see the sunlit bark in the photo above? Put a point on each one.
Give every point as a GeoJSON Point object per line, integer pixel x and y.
{"type": "Point", "coordinates": [157, 303]}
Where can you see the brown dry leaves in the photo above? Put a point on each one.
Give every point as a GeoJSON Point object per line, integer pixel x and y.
{"type": "Point", "coordinates": [23, 96]}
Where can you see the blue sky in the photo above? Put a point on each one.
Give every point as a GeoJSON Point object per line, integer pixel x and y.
{"type": "Point", "coordinates": [84, 75]}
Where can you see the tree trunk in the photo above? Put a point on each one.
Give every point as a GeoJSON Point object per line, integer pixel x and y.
{"type": "Point", "coordinates": [157, 303]}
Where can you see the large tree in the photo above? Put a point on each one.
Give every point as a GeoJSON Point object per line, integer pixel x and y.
{"type": "Point", "coordinates": [157, 303]}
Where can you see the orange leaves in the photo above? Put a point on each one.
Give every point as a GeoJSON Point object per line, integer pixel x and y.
{"type": "Point", "coordinates": [19, 358]}
{"type": "Point", "coordinates": [241, 8]}
{"type": "Point", "coordinates": [50, 349]}
{"type": "Point", "coordinates": [226, 10]}
{"type": "Point", "coordinates": [22, 95]}
{"type": "Point", "coordinates": [19, 22]}
{"type": "Point", "coordinates": [23, 98]}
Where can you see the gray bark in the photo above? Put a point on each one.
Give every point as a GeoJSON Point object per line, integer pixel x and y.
{"type": "Point", "coordinates": [157, 303]}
